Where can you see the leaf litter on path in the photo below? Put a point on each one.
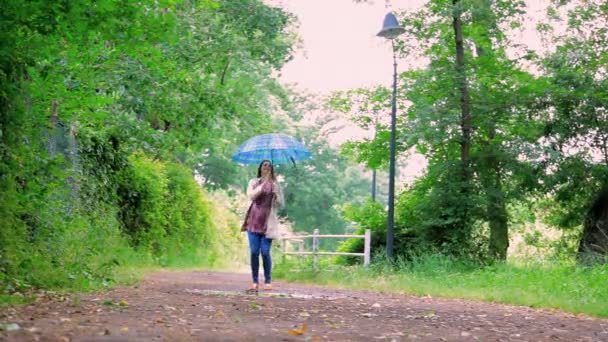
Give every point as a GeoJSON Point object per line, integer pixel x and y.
{"type": "Point", "coordinates": [195, 306]}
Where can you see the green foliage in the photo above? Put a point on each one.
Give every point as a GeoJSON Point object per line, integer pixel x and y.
{"type": "Point", "coordinates": [315, 189]}
{"type": "Point", "coordinates": [368, 108]}
{"type": "Point", "coordinates": [532, 136]}
{"type": "Point", "coordinates": [159, 209]}
{"type": "Point", "coordinates": [188, 211]}
{"type": "Point", "coordinates": [446, 208]}
{"type": "Point", "coordinates": [555, 285]}
{"type": "Point", "coordinates": [369, 216]}
{"type": "Point", "coordinates": [575, 128]}
{"type": "Point", "coordinates": [105, 108]}
{"type": "Point", "coordinates": [142, 191]}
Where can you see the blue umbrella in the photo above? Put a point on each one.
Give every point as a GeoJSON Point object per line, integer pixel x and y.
{"type": "Point", "coordinates": [277, 147]}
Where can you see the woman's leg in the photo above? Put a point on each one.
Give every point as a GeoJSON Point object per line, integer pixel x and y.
{"type": "Point", "coordinates": [265, 246]}
{"type": "Point", "coordinates": [255, 240]}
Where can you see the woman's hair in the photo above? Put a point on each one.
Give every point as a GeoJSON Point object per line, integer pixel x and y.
{"type": "Point", "coordinates": [271, 169]}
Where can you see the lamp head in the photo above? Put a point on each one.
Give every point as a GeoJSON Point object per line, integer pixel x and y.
{"type": "Point", "coordinates": [390, 28]}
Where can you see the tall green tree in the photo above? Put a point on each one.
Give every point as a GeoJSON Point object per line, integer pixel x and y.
{"type": "Point", "coordinates": [315, 190]}
{"type": "Point", "coordinates": [101, 100]}
{"type": "Point", "coordinates": [468, 111]}
{"type": "Point", "coordinates": [370, 110]}
{"type": "Point", "coordinates": [576, 126]}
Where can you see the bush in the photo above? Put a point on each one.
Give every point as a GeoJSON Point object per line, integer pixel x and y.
{"type": "Point", "coordinates": [72, 231]}
{"type": "Point", "coordinates": [165, 212]}
{"type": "Point", "coordinates": [142, 191]}
{"type": "Point", "coordinates": [370, 216]}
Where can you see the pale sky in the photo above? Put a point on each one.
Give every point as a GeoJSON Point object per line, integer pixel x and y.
{"type": "Point", "coordinates": [340, 49]}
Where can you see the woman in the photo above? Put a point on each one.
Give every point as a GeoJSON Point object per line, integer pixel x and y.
{"type": "Point", "coordinates": [261, 221]}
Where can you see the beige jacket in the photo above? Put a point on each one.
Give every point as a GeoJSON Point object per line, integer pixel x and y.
{"type": "Point", "coordinates": [272, 228]}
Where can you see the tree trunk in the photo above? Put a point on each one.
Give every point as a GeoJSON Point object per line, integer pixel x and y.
{"type": "Point", "coordinates": [461, 228]}
{"type": "Point", "coordinates": [465, 103]}
{"type": "Point", "coordinates": [594, 242]}
{"type": "Point", "coordinates": [496, 209]}
{"type": "Point", "coordinates": [497, 212]}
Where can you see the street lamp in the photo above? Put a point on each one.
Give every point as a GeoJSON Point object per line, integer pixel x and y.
{"type": "Point", "coordinates": [391, 30]}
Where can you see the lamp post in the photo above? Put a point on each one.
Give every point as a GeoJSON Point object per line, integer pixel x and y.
{"type": "Point", "coordinates": [391, 30]}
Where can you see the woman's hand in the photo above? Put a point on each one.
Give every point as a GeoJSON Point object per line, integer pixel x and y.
{"type": "Point", "coordinates": [267, 186]}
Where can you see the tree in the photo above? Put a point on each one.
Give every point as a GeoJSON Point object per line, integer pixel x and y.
{"type": "Point", "coordinates": [576, 129]}
{"type": "Point", "coordinates": [369, 109]}
{"type": "Point", "coordinates": [315, 189]}
{"type": "Point", "coordinates": [475, 166]}
{"type": "Point", "coordinates": [105, 98]}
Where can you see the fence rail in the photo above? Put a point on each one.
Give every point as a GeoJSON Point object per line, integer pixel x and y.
{"type": "Point", "coordinates": [299, 239]}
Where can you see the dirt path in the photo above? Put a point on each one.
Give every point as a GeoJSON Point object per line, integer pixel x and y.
{"type": "Point", "coordinates": [209, 306]}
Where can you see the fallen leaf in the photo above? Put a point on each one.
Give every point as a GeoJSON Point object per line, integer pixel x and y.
{"type": "Point", "coordinates": [429, 314]}
{"type": "Point", "coordinates": [10, 327]}
{"type": "Point", "coordinates": [331, 325]}
{"type": "Point", "coordinates": [123, 303]}
{"type": "Point", "coordinates": [124, 329]}
{"type": "Point", "coordinates": [298, 331]}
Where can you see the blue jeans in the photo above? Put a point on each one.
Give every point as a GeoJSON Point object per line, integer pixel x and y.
{"type": "Point", "coordinates": [258, 242]}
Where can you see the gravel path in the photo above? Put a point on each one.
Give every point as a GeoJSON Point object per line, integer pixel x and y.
{"type": "Point", "coordinates": [213, 306]}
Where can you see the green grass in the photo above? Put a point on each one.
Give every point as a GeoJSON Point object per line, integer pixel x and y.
{"type": "Point", "coordinates": [132, 268]}
{"type": "Point", "coordinates": [9, 300]}
{"type": "Point", "coordinates": [562, 286]}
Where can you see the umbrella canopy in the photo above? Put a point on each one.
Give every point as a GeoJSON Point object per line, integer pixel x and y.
{"type": "Point", "coordinates": [277, 147]}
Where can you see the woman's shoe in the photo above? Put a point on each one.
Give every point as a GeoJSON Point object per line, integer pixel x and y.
{"type": "Point", "coordinates": [267, 287]}
{"type": "Point", "coordinates": [253, 288]}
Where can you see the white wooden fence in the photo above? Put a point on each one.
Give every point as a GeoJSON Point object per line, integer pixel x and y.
{"type": "Point", "coordinates": [299, 239]}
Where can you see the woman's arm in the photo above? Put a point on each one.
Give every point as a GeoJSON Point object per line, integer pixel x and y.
{"type": "Point", "coordinates": [278, 198]}
{"type": "Point", "coordinates": [254, 189]}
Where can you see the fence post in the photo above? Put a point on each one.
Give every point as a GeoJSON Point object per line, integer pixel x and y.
{"type": "Point", "coordinates": [283, 249]}
{"type": "Point", "coordinates": [315, 248]}
{"type": "Point", "coordinates": [367, 247]}
{"type": "Point", "coordinates": [301, 247]}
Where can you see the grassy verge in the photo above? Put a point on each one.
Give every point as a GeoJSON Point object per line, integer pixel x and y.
{"type": "Point", "coordinates": [131, 268]}
{"type": "Point", "coordinates": [561, 286]}
{"type": "Point", "coordinates": [121, 276]}
{"type": "Point", "coordinates": [90, 251]}
{"type": "Point", "coordinates": [7, 300]}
